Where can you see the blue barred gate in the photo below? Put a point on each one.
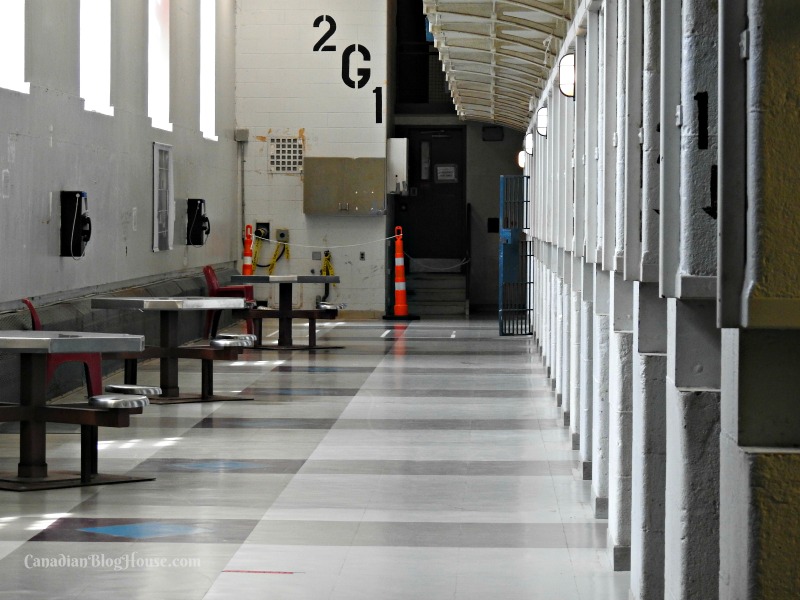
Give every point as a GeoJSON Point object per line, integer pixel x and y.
{"type": "Point", "coordinates": [516, 258]}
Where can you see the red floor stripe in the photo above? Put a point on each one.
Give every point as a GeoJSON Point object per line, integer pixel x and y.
{"type": "Point", "coordinates": [261, 572]}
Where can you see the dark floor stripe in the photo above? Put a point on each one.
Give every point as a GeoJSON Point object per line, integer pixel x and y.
{"type": "Point", "coordinates": [447, 424]}
{"type": "Point", "coordinates": [263, 423]}
{"type": "Point", "coordinates": [377, 424]}
{"type": "Point", "coordinates": [298, 391]}
{"type": "Point", "coordinates": [214, 465]}
{"type": "Point", "coordinates": [466, 393]}
{"type": "Point", "coordinates": [432, 535]}
{"type": "Point", "coordinates": [311, 369]}
{"type": "Point", "coordinates": [525, 468]}
{"type": "Point", "coordinates": [127, 530]}
{"type": "Point", "coordinates": [472, 370]}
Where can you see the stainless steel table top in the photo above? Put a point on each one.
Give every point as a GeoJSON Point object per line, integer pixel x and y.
{"type": "Point", "coordinates": [244, 279]}
{"type": "Point", "coordinates": [168, 303]}
{"type": "Point", "coordinates": [60, 342]}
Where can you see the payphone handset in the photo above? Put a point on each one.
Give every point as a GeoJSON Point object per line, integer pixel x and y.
{"type": "Point", "coordinates": [198, 227]}
{"type": "Point", "coordinates": [76, 226]}
{"type": "Point", "coordinates": [84, 225]}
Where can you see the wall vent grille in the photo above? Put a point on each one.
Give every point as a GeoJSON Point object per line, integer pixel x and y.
{"type": "Point", "coordinates": [285, 155]}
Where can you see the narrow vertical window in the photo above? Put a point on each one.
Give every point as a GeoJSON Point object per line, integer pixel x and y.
{"type": "Point", "coordinates": [12, 46]}
{"type": "Point", "coordinates": [95, 34]}
{"type": "Point", "coordinates": [158, 64]}
{"type": "Point", "coordinates": [208, 69]}
{"type": "Point", "coordinates": [163, 198]}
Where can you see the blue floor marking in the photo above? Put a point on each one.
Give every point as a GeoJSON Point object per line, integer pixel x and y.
{"type": "Point", "coordinates": [142, 531]}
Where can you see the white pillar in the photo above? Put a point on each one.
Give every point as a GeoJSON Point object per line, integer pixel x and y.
{"type": "Point", "coordinates": [602, 325]}
{"type": "Point", "coordinates": [566, 352]}
{"type": "Point", "coordinates": [587, 373]}
{"type": "Point", "coordinates": [692, 475]}
{"type": "Point", "coordinates": [649, 443]}
{"type": "Point", "coordinates": [620, 409]}
{"type": "Point", "coordinates": [574, 368]}
{"type": "Point", "coordinates": [759, 291]}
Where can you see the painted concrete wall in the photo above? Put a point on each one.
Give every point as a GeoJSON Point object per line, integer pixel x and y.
{"type": "Point", "coordinates": [49, 143]}
{"type": "Point", "coordinates": [286, 88]}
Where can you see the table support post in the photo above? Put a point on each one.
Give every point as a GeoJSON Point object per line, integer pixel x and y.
{"type": "Point", "coordinates": [285, 311]}
{"type": "Point", "coordinates": [169, 364]}
{"type": "Point", "coordinates": [33, 431]}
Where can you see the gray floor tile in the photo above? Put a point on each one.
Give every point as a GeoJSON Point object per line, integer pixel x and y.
{"type": "Point", "coordinates": [441, 472]}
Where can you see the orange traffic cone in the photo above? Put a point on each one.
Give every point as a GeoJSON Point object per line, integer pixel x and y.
{"type": "Point", "coordinates": [400, 301]}
{"type": "Point", "coordinates": [247, 255]}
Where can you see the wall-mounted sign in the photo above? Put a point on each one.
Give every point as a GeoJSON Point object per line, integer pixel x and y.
{"type": "Point", "coordinates": [445, 174]}
{"type": "Point", "coordinates": [353, 76]}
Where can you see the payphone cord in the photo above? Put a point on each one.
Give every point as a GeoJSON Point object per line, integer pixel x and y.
{"type": "Point", "coordinates": [206, 229]}
{"type": "Point", "coordinates": [72, 235]}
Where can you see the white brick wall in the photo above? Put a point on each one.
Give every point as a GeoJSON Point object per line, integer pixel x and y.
{"type": "Point", "coordinates": [285, 88]}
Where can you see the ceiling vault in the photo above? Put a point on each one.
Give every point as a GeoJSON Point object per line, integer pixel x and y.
{"type": "Point", "coordinates": [498, 54]}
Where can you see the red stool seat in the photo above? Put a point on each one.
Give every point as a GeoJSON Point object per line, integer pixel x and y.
{"type": "Point", "coordinates": [92, 361]}
{"type": "Point", "coordinates": [228, 291]}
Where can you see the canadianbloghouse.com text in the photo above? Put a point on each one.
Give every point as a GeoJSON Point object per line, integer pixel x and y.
{"type": "Point", "coordinates": [122, 562]}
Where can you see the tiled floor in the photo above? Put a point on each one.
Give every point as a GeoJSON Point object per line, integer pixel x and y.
{"type": "Point", "coordinates": [422, 461]}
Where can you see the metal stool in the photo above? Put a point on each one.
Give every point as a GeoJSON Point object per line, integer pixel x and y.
{"type": "Point", "coordinates": [237, 342]}
{"type": "Point", "coordinates": [237, 336]}
{"type": "Point", "coordinates": [118, 401]}
{"type": "Point", "coordinates": [133, 389]}
{"type": "Point", "coordinates": [330, 305]}
{"type": "Point", "coordinates": [89, 436]}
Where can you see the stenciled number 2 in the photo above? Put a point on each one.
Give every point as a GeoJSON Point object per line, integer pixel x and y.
{"type": "Point", "coordinates": [363, 74]}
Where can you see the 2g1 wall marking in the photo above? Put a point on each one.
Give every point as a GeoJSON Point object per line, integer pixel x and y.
{"type": "Point", "coordinates": [362, 74]}
{"type": "Point", "coordinates": [320, 46]}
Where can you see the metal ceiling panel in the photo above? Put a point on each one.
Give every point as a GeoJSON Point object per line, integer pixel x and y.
{"type": "Point", "coordinates": [497, 54]}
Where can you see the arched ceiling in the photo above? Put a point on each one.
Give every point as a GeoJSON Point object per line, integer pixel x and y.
{"type": "Point", "coordinates": [497, 54]}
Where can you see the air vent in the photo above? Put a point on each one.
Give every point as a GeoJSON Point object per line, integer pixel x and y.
{"type": "Point", "coordinates": [285, 155]}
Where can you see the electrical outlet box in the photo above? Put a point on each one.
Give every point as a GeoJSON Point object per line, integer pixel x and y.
{"type": "Point", "coordinates": [282, 235]}
{"type": "Point", "coordinates": [362, 256]}
{"type": "Point", "coordinates": [317, 255]}
{"type": "Point", "coordinates": [262, 230]}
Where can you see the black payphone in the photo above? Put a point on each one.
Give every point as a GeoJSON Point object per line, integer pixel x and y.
{"type": "Point", "coordinates": [76, 226]}
{"type": "Point", "coordinates": [198, 227]}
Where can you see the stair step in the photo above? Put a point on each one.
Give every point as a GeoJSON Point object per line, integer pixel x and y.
{"type": "Point", "coordinates": [427, 281]}
{"type": "Point", "coordinates": [436, 308]}
{"type": "Point", "coordinates": [432, 294]}
{"type": "Point", "coordinates": [437, 294]}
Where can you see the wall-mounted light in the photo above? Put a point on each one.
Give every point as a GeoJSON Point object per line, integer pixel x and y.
{"type": "Point", "coordinates": [541, 121]}
{"type": "Point", "coordinates": [529, 142]}
{"type": "Point", "coordinates": [521, 159]}
{"type": "Point", "coordinates": [566, 75]}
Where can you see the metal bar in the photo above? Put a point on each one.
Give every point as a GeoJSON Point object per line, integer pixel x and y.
{"type": "Point", "coordinates": [591, 149]}
{"type": "Point", "coordinates": [608, 149]}
{"type": "Point", "coordinates": [651, 151]}
{"type": "Point", "coordinates": [579, 155]}
{"type": "Point", "coordinates": [633, 147]}
{"type": "Point", "coordinates": [669, 230]}
{"type": "Point", "coordinates": [732, 174]}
